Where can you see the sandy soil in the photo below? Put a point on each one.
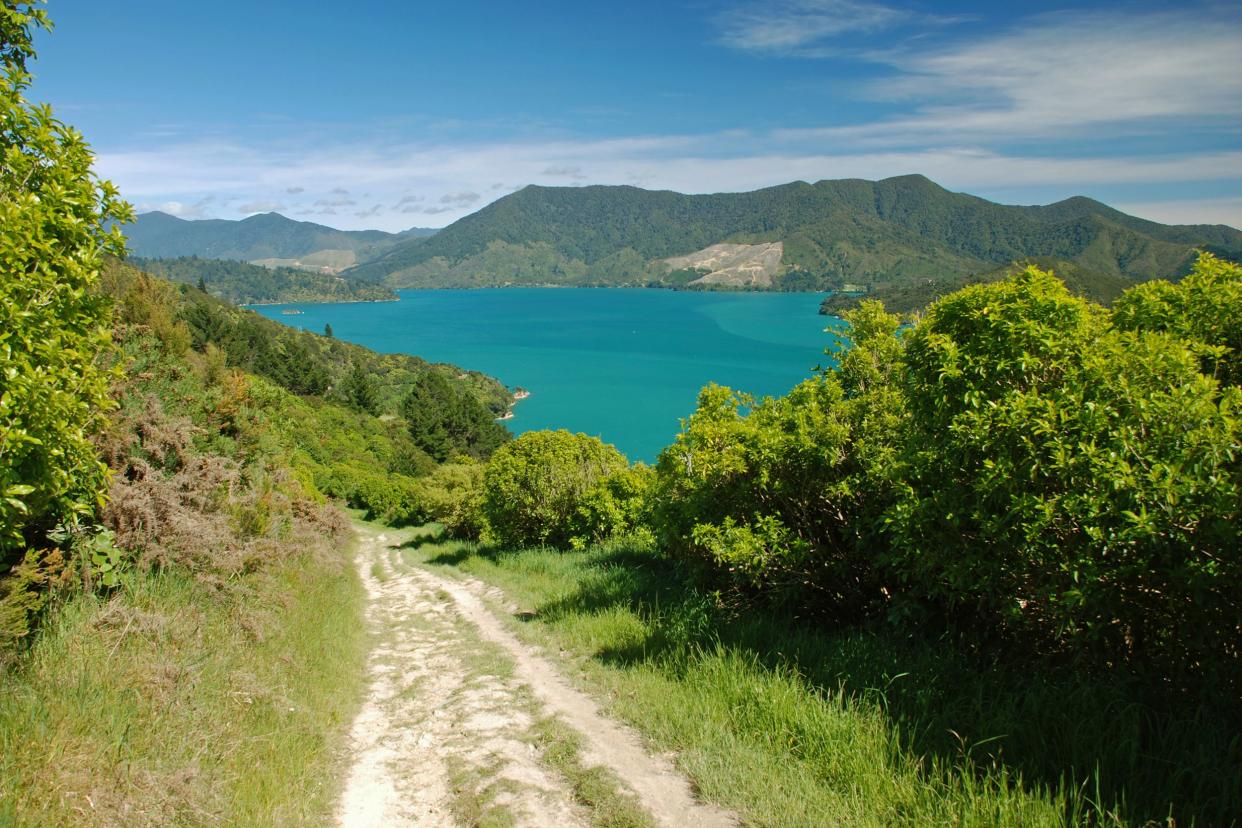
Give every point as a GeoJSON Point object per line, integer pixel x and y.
{"type": "Point", "coordinates": [454, 695]}
{"type": "Point", "coordinates": [734, 264]}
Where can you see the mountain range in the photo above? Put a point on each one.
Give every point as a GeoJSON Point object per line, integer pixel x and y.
{"type": "Point", "coordinates": [266, 238]}
{"type": "Point", "coordinates": [898, 237]}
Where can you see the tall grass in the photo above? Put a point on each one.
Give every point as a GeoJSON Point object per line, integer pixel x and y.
{"type": "Point", "coordinates": [792, 724]}
{"type": "Point", "coordinates": [178, 702]}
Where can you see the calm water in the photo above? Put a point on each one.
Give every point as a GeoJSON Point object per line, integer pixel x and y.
{"type": "Point", "coordinates": [622, 364]}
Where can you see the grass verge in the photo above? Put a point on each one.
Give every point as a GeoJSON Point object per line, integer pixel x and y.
{"type": "Point", "coordinates": [178, 701]}
{"type": "Point", "coordinates": [791, 725]}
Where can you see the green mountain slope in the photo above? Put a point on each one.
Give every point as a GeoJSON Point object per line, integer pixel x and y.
{"type": "Point", "coordinates": [246, 284]}
{"type": "Point", "coordinates": [912, 295]}
{"type": "Point", "coordinates": [897, 231]}
{"type": "Point", "coordinates": [264, 236]}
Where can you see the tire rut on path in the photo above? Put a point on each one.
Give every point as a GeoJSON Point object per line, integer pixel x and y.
{"type": "Point", "coordinates": [454, 694]}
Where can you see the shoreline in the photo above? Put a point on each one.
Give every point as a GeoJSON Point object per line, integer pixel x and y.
{"type": "Point", "coordinates": [318, 302]}
{"type": "Point", "coordinates": [519, 394]}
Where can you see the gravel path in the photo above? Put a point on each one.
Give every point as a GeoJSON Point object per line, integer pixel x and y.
{"type": "Point", "coordinates": [452, 702]}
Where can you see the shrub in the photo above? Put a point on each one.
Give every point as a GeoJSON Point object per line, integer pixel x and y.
{"type": "Point", "coordinates": [616, 505]}
{"type": "Point", "coordinates": [1068, 481]}
{"type": "Point", "coordinates": [54, 229]}
{"type": "Point", "coordinates": [785, 495]}
{"type": "Point", "coordinates": [1204, 308]}
{"type": "Point", "coordinates": [392, 498]}
{"type": "Point", "coordinates": [534, 486]}
{"type": "Point", "coordinates": [451, 495]}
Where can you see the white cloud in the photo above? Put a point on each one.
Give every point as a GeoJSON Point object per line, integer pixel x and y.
{"type": "Point", "coordinates": [1063, 74]}
{"type": "Point", "coordinates": [797, 27]}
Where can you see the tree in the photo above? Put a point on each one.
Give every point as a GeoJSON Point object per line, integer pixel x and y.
{"type": "Point", "coordinates": [327, 330]}
{"type": "Point", "coordinates": [57, 221]}
{"type": "Point", "coordinates": [359, 390]}
{"type": "Point", "coordinates": [534, 487]}
{"type": "Point", "coordinates": [444, 421]}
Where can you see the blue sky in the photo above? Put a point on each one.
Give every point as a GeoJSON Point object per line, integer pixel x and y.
{"type": "Point", "coordinates": [399, 114]}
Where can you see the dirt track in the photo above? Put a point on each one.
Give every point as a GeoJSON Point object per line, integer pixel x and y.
{"type": "Point", "coordinates": [453, 701]}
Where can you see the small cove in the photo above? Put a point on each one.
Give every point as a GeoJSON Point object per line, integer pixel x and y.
{"type": "Point", "coordinates": [622, 364]}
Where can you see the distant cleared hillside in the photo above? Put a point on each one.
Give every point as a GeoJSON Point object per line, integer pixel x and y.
{"type": "Point", "coordinates": [264, 236]}
{"type": "Point", "coordinates": [899, 231]}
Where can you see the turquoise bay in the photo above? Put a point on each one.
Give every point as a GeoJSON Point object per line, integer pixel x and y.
{"type": "Point", "coordinates": [623, 364]}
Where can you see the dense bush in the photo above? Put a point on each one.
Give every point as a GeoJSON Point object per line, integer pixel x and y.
{"type": "Point", "coordinates": [1014, 462]}
{"type": "Point", "coordinates": [786, 494]}
{"type": "Point", "coordinates": [445, 421]}
{"type": "Point", "coordinates": [56, 223]}
{"type": "Point", "coordinates": [452, 496]}
{"type": "Point", "coordinates": [618, 504]}
{"type": "Point", "coordinates": [534, 486]}
{"type": "Point", "coordinates": [1068, 480]}
{"type": "Point", "coordinates": [1204, 308]}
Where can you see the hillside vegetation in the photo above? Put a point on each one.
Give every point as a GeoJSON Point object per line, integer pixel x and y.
{"type": "Point", "coordinates": [896, 232]}
{"type": "Point", "coordinates": [198, 651]}
{"type": "Point", "coordinates": [241, 283]}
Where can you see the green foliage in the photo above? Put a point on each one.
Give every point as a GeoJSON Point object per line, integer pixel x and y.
{"type": "Point", "coordinates": [534, 486]}
{"type": "Point", "coordinates": [1071, 482]}
{"type": "Point", "coordinates": [1013, 462]}
{"type": "Point", "coordinates": [1204, 308]}
{"type": "Point", "coordinates": [451, 496]}
{"type": "Point", "coordinates": [392, 498]}
{"type": "Point", "coordinates": [618, 504]}
{"type": "Point", "coordinates": [445, 421]}
{"type": "Point", "coordinates": [359, 390]}
{"type": "Point", "coordinates": [56, 222]}
{"type": "Point", "coordinates": [249, 284]}
{"type": "Point", "coordinates": [786, 494]}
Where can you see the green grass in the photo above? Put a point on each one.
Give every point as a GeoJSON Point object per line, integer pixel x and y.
{"type": "Point", "coordinates": [610, 805]}
{"type": "Point", "coordinates": [794, 725]}
{"type": "Point", "coordinates": [176, 702]}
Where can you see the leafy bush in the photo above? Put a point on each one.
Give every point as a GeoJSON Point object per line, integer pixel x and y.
{"type": "Point", "coordinates": [1069, 481]}
{"type": "Point", "coordinates": [1204, 308]}
{"type": "Point", "coordinates": [451, 495]}
{"type": "Point", "coordinates": [618, 504]}
{"type": "Point", "coordinates": [54, 229]}
{"type": "Point", "coordinates": [533, 487]}
{"type": "Point", "coordinates": [387, 497]}
{"type": "Point", "coordinates": [786, 494]}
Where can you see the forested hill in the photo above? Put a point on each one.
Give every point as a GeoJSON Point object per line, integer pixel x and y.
{"type": "Point", "coordinates": [268, 238]}
{"type": "Point", "coordinates": [243, 283]}
{"type": "Point", "coordinates": [874, 233]}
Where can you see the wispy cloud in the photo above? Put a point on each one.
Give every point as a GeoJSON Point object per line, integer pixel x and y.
{"type": "Point", "coordinates": [463, 199]}
{"type": "Point", "coordinates": [1063, 75]}
{"type": "Point", "coordinates": [800, 27]}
